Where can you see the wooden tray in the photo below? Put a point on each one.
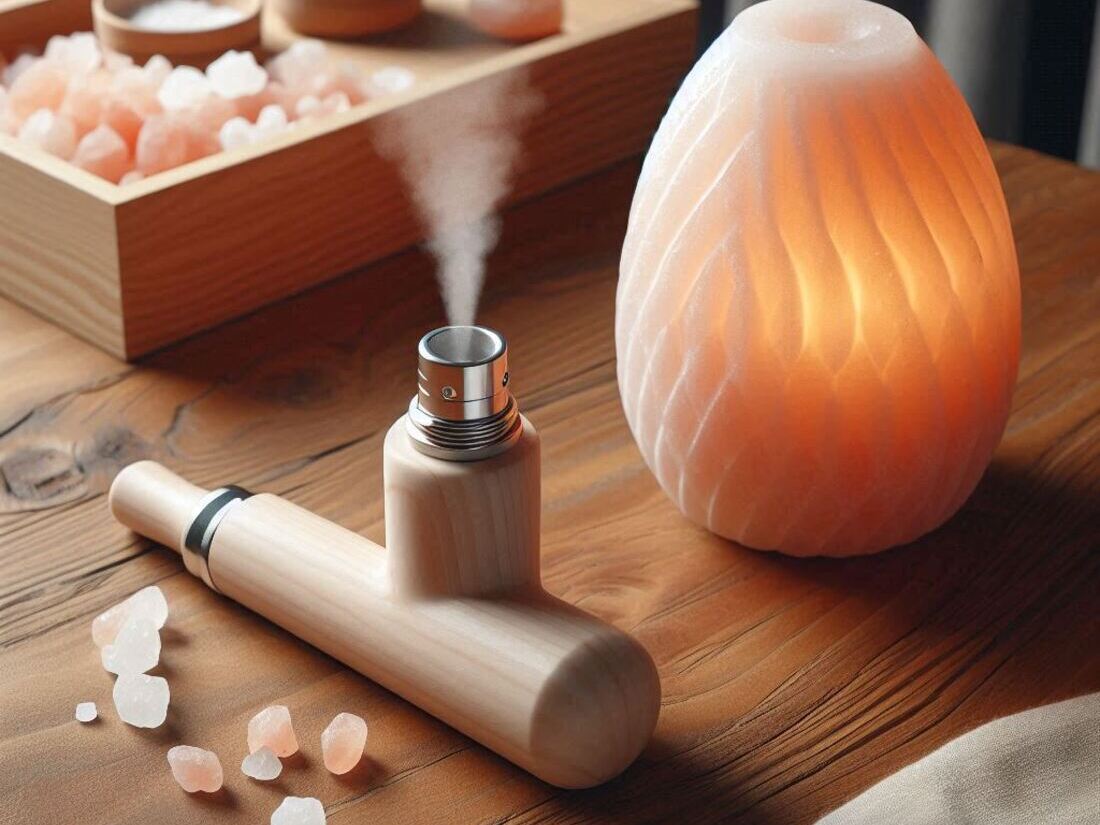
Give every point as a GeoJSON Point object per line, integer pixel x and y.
{"type": "Point", "coordinates": [134, 268]}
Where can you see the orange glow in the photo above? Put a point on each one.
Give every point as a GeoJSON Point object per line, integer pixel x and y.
{"type": "Point", "coordinates": [818, 313]}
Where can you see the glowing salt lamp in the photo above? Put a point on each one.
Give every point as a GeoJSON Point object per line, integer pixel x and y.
{"type": "Point", "coordinates": [818, 312]}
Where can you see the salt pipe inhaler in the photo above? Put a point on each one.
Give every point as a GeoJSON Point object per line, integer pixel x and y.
{"type": "Point", "coordinates": [451, 614]}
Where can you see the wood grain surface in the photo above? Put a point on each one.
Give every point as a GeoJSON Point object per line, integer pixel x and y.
{"type": "Point", "coordinates": [134, 268]}
{"type": "Point", "coordinates": [789, 685]}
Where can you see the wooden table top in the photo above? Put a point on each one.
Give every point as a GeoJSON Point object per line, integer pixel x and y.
{"type": "Point", "coordinates": [789, 685]}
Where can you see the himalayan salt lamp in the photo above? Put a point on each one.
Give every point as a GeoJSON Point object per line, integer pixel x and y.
{"type": "Point", "coordinates": [518, 20]}
{"type": "Point", "coordinates": [818, 311]}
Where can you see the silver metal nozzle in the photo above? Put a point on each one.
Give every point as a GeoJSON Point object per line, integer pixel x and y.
{"type": "Point", "coordinates": [463, 410]}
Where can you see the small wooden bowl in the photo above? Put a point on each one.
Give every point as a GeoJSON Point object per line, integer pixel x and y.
{"type": "Point", "coordinates": [194, 48]}
{"type": "Point", "coordinates": [347, 18]}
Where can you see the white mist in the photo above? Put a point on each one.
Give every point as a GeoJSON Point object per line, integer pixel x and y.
{"type": "Point", "coordinates": [457, 152]}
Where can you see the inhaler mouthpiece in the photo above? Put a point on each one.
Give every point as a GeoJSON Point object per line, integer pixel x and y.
{"type": "Point", "coordinates": [463, 410]}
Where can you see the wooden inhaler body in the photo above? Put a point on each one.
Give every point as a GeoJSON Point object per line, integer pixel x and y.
{"type": "Point", "coordinates": [451, 614]}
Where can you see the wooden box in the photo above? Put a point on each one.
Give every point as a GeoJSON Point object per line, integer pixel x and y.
{"type": "Point", "coordinates": [134, 268]}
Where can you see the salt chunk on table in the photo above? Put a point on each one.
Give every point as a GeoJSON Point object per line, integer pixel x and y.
{"type": "Point", "coordinates": [343, 741]}
{"type": "Point", "coordinates": [298, 810]}
{"type": "Point", "coordinates": [86, 712]}
{"type": "Point", "coordinates": [195, 769]}
{"type": "Point", "coordinates": [272, 727]}
{"type": "Point", "coordinates": [148, 602]}
{"type": "Point", "coordinates": [263, 765]}
{"type": "Point", "coordinates": [141, 700]}
{"type": "Point", "coordinates": [135, 649]}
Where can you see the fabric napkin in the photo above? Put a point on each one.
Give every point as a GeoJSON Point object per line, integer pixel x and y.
{"type": "Point", "coordinates": [1037, 767]}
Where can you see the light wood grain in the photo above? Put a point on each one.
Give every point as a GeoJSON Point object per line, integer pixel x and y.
{"type": "Point", "coordinates": [453, 617]}
{"type": "Point", "coordinates": [462, 528]}
{"type": "Point", "coordinates": [789, 685]}
{"type": "Point", "coordinates": [193, 246]}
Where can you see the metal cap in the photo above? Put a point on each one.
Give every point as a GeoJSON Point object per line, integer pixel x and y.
{"type": "Point", "coordinates": [463, 409]}
{"type": "Point", "coordinates": [462, 372]}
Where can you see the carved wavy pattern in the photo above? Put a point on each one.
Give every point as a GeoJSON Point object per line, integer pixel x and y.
{"type": "Point", "coordinates": [818, 310]}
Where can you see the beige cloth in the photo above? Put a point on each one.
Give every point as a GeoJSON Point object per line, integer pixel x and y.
{"type": "Point", "coordinates": [1037, 767]}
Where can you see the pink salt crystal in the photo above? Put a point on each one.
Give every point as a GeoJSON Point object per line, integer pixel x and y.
{"type": "Point", "coordinates": [162, 144]}
{"type": "Point", "coordinates": [343, 741]}
{"type": "Point", "coordinates": [132, 98]}
{"type": "Point", "coordinates": [235, 132]}
{"type": "Point", "coordinates": [184, 88]}
{"type": "Point", "coordinates": [18, 67]}
{"type": "Point", "coordinates": [201, 143]}
{"type": "Point", "coordinates": [299, 810]}
{"type": "Point", "coordinates": [42, 86]}
{"type": "Point", "coordinates": [298, 65]}
{"type": "Point", "coordinates": [149, 602]}
{"type": "Point", "coordinates": [195, 769]}
{"type": "Point", "coordinates": [236, 74]}
{"type": "Point", "coordinates": [211, 114]}
{"type": "Point", "coordinates": [272, 727]}
{"type": "Point", "coordinates": [49, 132]}
{"type": "Point", "coordinates": [272, 121]}
{"type": "Point", "coordinates": [310, 106]}
{"type": "Point", "coordinates": [345, 78]}
{"type": "Point", "coordinates": [78, 54]}
{"type": "Point", "coordinates": [84, 99]}
{"type": "Point", "coordinates": [156, 69]}
{"type": "Point", "coordinates": [103, 152]}
{"type": "Point", "coordinates": [278, 93]}
{"type": "Point", "coordinates": [262, 765]}
{"type": "Point", "coordinates": [390, 80]}
{"type": "Point", "coordinates": [115, 62]}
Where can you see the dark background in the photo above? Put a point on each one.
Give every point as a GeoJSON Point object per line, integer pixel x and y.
{"type": "Point", "coordinates": [1023, 65]}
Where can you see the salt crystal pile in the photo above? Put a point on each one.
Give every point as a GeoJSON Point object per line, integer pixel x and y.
{"type": "Point", "coordinates": [343, 741]}
{"type": "Point", "coordinates": [127, 122]}
{"type": "Point", "coordinates": [86, 712]}
{"type": "Point", "coordinates": [263, 765]}
{"type": "Point", "coordinates": [135, 649]}
{"type": "Point", "coordinates": [148, 603]}
{"type": "Point", "coordinates": [195, 769]}
{"type": "Point", "coordinates": [141, 701]}
{"type": "Point", "coordinates": [272, 727]}
{"type": "Point", "coordinates": [184, 16]}
{"type": "Point", "coordinates": [298, 810]}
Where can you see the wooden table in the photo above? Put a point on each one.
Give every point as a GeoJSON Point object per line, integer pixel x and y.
{"type": "Point", "coordinates": [789, 685]}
